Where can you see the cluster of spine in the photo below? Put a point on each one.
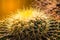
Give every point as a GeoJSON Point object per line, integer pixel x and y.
{"type": "Point", "coordinates": [51, 7]}
{"type": "Point", "coordinates": [37, 29]}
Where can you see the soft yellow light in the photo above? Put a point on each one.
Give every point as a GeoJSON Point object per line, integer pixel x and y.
{"type": "Point", "coordinates": [25, 14]}
{"type": "Point", "coordinates": [28, 14]}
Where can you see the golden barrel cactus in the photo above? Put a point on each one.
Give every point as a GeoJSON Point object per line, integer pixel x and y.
{"type": "Point", "coordinates": [37, 21]}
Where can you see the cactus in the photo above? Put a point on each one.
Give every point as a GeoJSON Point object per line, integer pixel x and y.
{"type": "Point", "coordinates": [35, 29]}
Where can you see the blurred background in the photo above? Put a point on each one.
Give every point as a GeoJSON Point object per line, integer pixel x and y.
{"type": "Point", "coordinates": [8, 6]}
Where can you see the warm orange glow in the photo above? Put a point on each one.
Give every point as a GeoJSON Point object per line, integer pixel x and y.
{"type": "Point", "coordinates": [8, 6]}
